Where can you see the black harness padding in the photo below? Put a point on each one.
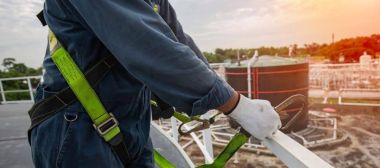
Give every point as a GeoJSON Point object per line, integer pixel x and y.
{"type": "Point", "coordinates": [162, 110]}
{"type": "Point", "coordinates": [120, 149]}
{"type": "Point", "coordinates": [44, 109]}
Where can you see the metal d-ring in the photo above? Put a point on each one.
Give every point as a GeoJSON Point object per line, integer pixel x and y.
{"type": "Point", "coordinates": [71, 115]}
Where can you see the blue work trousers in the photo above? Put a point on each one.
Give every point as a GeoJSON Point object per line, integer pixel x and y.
{"type": "Point", "coordinates": [69, 140]}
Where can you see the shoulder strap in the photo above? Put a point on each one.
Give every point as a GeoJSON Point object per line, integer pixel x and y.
{"type": "Point", "coordinates": [104, 123]}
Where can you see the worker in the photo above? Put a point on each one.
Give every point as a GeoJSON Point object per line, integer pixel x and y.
{"type": "Point", "coordinates": [152, 54]}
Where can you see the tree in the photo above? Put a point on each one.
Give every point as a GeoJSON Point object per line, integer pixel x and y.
{"type": "Point", "coordinates": [312, 49]}
{"type": "Point", "coordinates": [211, 58]}
{"type": "Point", "coordinates": [351, 48]}
{"type": "Point", "coordinates": [19, 68]}
{"type": "Point", "coordinates": [8, 62]}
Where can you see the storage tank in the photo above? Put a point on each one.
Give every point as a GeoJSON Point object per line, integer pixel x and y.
{"type": "Point", "coordinates": [274, 79]}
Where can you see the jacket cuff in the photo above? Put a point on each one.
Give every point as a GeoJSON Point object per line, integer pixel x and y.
{"type": "Point", "coordinates": [219, 94]}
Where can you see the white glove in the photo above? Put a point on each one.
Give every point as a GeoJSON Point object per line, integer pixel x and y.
{"type": "Point", "coordinates": [257, 117]}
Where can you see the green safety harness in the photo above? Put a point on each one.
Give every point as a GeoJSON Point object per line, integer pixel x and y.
{"type": "Point", "coordinates": [105, 123]}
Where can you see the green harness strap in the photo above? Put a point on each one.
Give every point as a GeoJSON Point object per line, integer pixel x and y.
{"type": "Point", "coordinates": [82, 89]}
{"type": "Point", "coordinates": [161, 160]}
{"type": "Point", "coordinates": [87, 96]}
{"type": "Point", "coordinates": [234, 145]}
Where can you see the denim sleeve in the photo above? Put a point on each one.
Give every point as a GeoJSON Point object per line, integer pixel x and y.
{"type": "Point", "coordinates": [147, 47]}
{"type": "Point", "coordinates": [168, 13]}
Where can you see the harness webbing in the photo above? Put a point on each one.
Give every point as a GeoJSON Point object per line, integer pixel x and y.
{"type": "Point", "coordinates": [105, 123]}
{"type": "Point", "coordinates": [162, 161]}
{"type": "Point", "coordinates": [80, 86]}
{"type": "Point", "coordinates": [234, 145]}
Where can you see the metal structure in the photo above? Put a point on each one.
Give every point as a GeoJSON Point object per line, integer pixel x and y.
{"type": "Point", "coordinates": [162, 142]}
{"type": "Point", "coordinates": [341, 81]}
{"type": "Point", "coordinates": [285, 148]}
{"type": "Point", "coordinates": [350, 77]}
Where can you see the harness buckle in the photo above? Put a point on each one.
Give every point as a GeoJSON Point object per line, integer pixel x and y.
{"type": "Point", "coordinates": [107, 125]}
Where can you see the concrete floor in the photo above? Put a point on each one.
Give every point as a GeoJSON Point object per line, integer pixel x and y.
{"type": "Point", "coordinates": [15, 150]}
{"type": "Point", "coordinates": [14, 146]}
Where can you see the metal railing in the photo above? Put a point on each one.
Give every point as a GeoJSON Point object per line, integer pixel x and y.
{"type": "Point", "coordinates": [345, 77]}
{"type": "Point", "coordinates": [26, 80]}
{"type": "Point", "coordinates": [290, 152]}
{"type": "Point", "coordinates": [328, 78]}
{"type": "Point", "coordinates": [286, 149]}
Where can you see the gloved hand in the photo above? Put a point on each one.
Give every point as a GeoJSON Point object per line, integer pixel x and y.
{"type": "Point", "coordinates": [257, 117]}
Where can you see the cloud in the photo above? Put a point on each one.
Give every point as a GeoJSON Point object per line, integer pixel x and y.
{"type": "Point", "coordinates": [215, 23]}
{"type": "Point", "coordinates": [22, 36]}
{"type": "Point", "coordinates": [254, 23]}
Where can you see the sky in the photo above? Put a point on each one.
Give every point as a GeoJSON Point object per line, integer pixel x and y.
{"type": "Point", "coordinates": [216, 24]}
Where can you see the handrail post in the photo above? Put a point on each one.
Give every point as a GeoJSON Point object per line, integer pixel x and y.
{"type": "Point", "coordinates": [30, 90]}
{"type": "Point", "coordinates": [207, 139]}
{"type": "Point", "coordinates": [174, 128]}
{"type": "Point", "coordinates": [2, 92]}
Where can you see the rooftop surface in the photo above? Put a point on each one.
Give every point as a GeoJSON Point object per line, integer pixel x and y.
{"type": "Point", "coordinates": [362, 149]}
{"type": "Point", "coordinates": [15, 150]}
{"type": "Point", "coordinates": [14, 146]}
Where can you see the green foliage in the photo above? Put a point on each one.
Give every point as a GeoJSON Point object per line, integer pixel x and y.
{"type": "Point", "coordinates": [351, 48]}
{"type": "Point", "coordinates": [221, 55]}
{"type": "Point", "coordinates": [13, 69]}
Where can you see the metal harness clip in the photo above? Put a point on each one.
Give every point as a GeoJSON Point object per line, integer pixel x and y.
{"type": "Point", "coordinates": [199, 124]}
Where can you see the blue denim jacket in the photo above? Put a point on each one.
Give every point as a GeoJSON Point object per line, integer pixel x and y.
{"type": "Point", "coordinates": [153, 52]}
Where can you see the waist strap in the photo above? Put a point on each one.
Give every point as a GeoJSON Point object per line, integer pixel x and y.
{"type": "Point", "coordinates": [44, 109]}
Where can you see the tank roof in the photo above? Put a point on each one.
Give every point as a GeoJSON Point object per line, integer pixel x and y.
{"type": "Point", "coordinates": [268, 60]}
